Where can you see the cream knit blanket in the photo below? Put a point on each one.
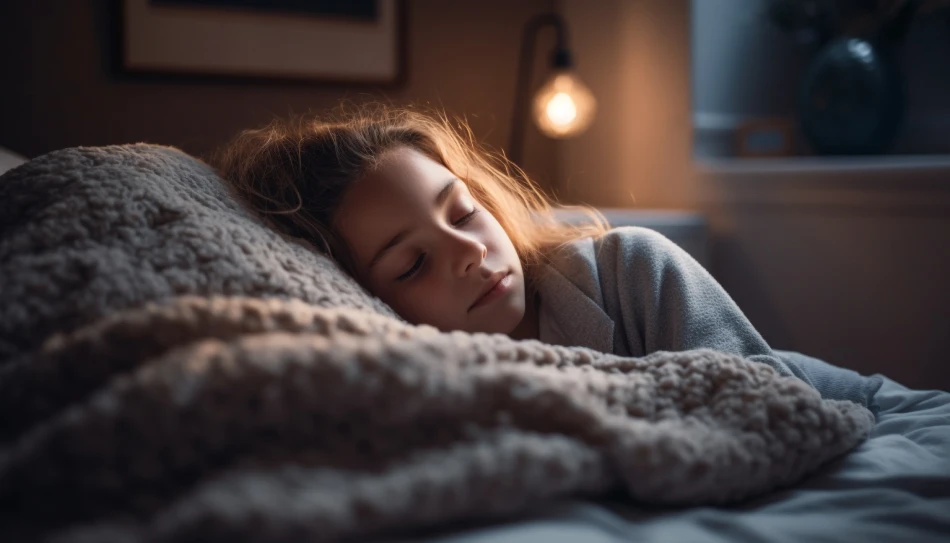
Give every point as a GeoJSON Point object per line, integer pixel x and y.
{"type": "Point", "coordinates": [259, 409]}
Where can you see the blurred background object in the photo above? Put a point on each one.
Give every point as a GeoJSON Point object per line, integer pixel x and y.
{"type": "Point", "coordinates": [63, 72]}
{"type": "Point", "coordinates": [857, 76]}
{"type": "Point", "coordinates": [852, 95]}
{"type": "Point", "coordinates": [563, 106]}
{"type": "Point", "coordinates": [357, 41]}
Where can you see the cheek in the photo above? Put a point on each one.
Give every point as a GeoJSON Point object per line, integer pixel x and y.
{"type": "Point", "coordinates": [425, 302]}
{"type": "Point", "coordinates": [493, 226]}
{"type": "Point", "coordinates": [499, 238]}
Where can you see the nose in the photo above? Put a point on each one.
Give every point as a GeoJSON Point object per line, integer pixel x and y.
{"type": "Point", "coordinates": [469, 254]}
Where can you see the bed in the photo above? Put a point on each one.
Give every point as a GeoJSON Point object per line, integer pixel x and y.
{"type": "Point", "coordinates": [171, 368]}
{"type": "Point", "coordinates": [894, 487]}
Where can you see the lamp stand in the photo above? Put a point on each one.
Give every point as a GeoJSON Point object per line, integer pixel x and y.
{"type": "Point", "coordinates": [561, 59]}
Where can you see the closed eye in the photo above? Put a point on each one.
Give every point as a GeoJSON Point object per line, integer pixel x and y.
{"type": "Point", "coordinates": [465, 220]}
{"type": "Point", "coordinates": [415, 267]}
{"type": "Point", "coordinates": [421, 259]}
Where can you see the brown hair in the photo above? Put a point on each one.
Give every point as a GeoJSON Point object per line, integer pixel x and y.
{"type": "Point", "coordinates": [295, 172]}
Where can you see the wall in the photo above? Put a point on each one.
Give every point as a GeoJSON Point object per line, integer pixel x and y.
{"type": "Point", "coordinates": [59, 88]}
{"type": "Point", "coordinates": [638, 152]}
{"type": "Point", "coordinates": [843, 260]}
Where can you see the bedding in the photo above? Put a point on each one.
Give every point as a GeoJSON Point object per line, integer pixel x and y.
{"type": "Point", "coordinates": [171, 368]}
{"type": "Point", "coordinates": [248, 419]}
{"type": "Point", "coordinates": [893, 487]}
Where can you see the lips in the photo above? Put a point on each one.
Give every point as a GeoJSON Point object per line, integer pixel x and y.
{"type": "Point", "coordinates": [490, 285]}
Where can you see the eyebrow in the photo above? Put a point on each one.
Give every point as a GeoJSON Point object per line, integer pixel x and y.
{"type": "Point", "coordinates": [440, 199]}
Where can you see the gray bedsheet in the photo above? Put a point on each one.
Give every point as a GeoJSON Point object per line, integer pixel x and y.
{"type": "Point", "coordinates": [894, 487]}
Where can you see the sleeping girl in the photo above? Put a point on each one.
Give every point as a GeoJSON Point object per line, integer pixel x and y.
{"type": "Point", "coordinates": [454, 236]}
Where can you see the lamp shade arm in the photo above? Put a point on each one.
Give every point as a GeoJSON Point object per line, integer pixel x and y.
{"type": "Point", "coordinates": [525, 63]}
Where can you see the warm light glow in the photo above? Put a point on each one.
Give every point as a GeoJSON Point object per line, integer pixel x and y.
{"type": "Point", "coordinates": [561, 109]}
{"type": "Point", "coordinates": [563, 106]}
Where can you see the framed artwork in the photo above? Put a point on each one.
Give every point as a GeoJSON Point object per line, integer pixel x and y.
{"type": "Point", "coordinates": [344, 41]}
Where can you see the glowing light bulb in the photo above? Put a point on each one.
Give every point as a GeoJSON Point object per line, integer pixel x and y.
{"type": "Point", "coordinates": [563, 106]}
{"type": "Point", "coordinates": [561, 109]}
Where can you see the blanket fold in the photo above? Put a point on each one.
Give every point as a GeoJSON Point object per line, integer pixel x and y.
{"type": "Point", "coordinates": [262, 418]}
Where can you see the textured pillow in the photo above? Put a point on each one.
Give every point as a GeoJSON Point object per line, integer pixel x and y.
{"type": "Point", "coordinates": [88, 231]}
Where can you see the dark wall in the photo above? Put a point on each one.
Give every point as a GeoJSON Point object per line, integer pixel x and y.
{"type": "Point", "coordinates": [59, 87]}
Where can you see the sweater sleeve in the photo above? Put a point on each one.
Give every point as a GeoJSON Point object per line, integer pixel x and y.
{"type": "Point", "coordinates": [666, 301]}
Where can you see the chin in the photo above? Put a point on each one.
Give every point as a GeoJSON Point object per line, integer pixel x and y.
{"type": "Point", "coordinates": [505, 328]}
{"type": "Point", "coordinates": [506, 320]}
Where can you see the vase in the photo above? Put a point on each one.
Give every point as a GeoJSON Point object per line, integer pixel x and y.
{"type": "Point", "coordinates": [851, 99]}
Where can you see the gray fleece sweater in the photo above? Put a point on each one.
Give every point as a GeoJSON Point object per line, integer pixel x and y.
{"type": "Point", "coordinates": [632, 292]}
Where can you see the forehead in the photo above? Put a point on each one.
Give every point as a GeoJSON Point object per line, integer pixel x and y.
{"type": "Point", "coordinates": [387, 199]}
{"type": "Point", "coordinates": [404, 182]}
{"type": "Point", "coordinates": [403, 173]}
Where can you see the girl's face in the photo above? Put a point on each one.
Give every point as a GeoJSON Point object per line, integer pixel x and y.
{"type": "Point", "coordinates": [422, 244]}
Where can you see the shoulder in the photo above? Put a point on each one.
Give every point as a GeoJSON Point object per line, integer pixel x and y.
{"type": "Point", "coordinates": [628, 246]}
{"type": "Point", "coordinates": [633, 237]}
{"type": "Point", "coordinates": [623, 246]}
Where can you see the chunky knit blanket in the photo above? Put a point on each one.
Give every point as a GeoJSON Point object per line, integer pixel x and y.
{"type": "Point", "coordinates": [172, 369]}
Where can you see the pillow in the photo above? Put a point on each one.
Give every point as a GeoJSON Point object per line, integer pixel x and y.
{"type": "Point", "coordinates": [88, 231]}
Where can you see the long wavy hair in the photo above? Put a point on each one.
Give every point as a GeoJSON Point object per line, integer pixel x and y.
{"type": "Point", "coordinates": [294, 172]}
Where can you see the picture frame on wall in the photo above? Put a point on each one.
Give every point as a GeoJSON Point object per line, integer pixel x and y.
{"type": "Point", "coordinates": [357, 41]}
